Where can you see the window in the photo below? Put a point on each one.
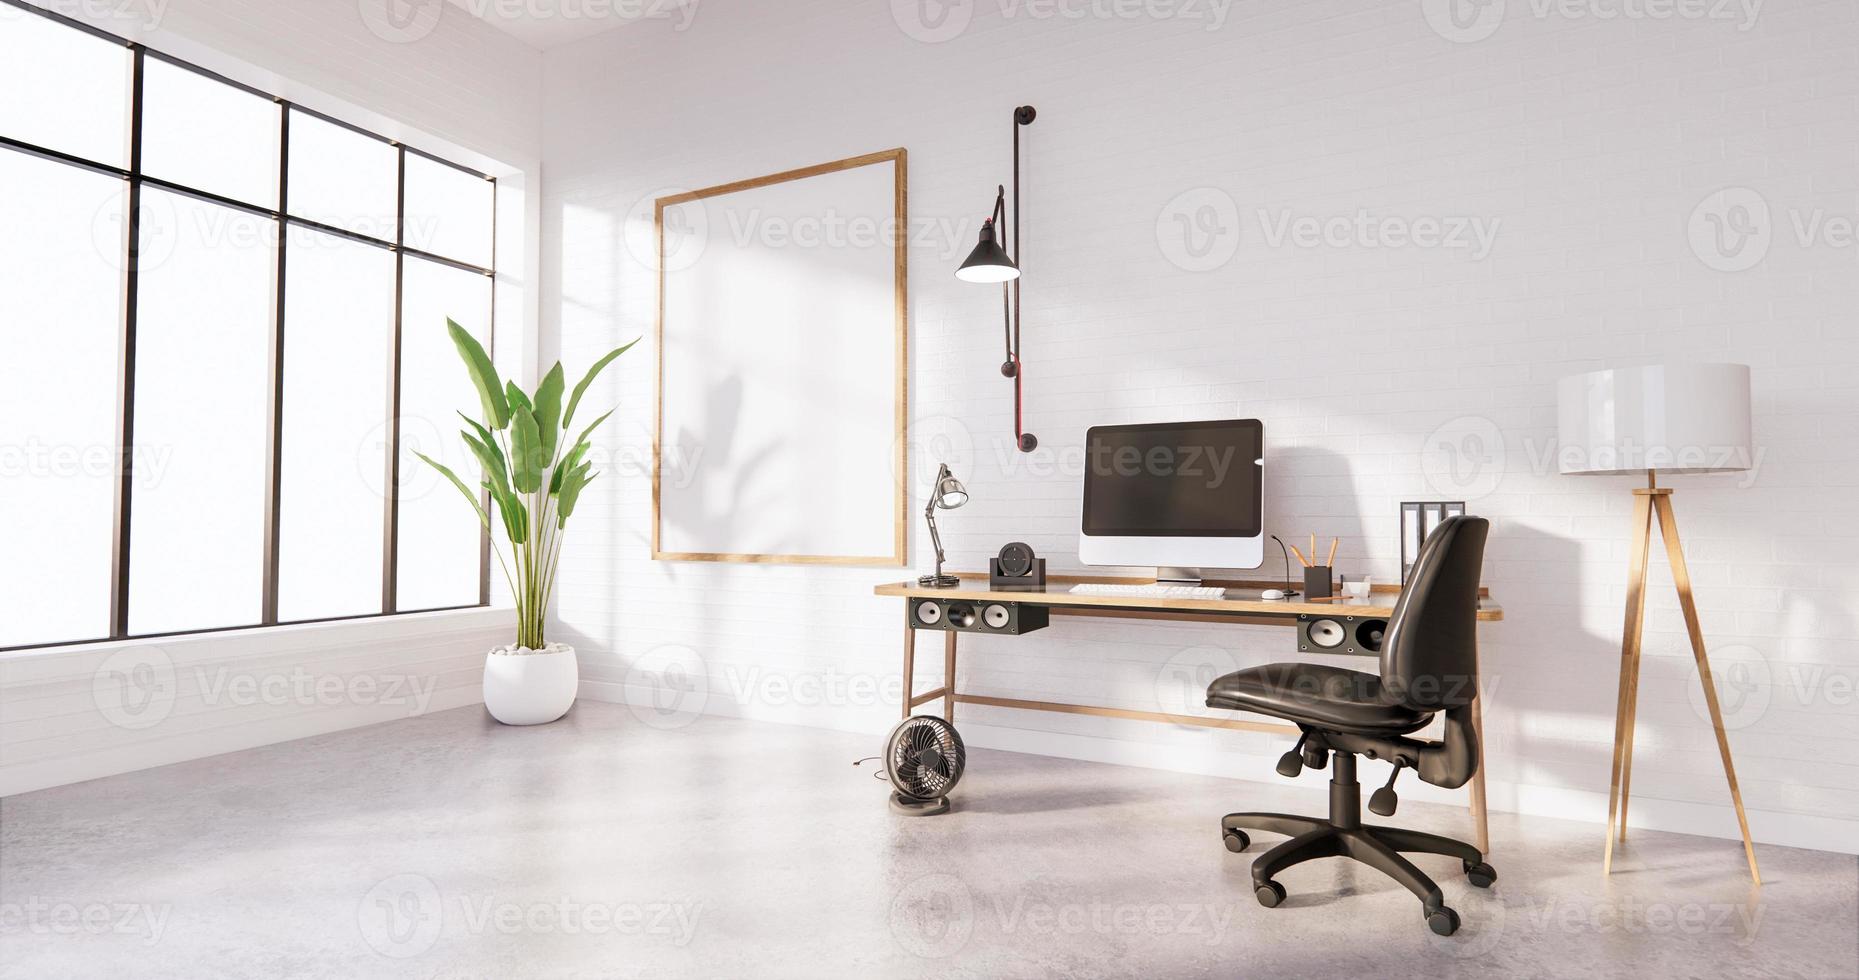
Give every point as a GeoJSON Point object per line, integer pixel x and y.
{"type": "Point", "coordinates": [222, 337]}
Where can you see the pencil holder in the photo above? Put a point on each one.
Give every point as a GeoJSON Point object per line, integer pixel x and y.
{"type": "Point", "coordinates": [1317, 583]}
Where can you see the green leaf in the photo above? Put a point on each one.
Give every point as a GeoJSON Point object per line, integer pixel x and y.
{"type": "Point", "coordinates": [548, 409]}
{"type": "Point", "coordinates": [577, 479]}
{"type": "Point", "coordinates": [526, 461]}
{"type": "Point", "coordinates": [491, 459]}
{"type": "Point", "coordinates": [484, 436]}
{"type": "Point", "coordinates": [569, 462]}
{"type": "Point", "coordinates": [579, 389]}
{"type": "Point", "coordinates": [460, 484]}
{"type": "Point", "coordinates": [592, 425]}
{"type": "Point", "coordinates": [574, 455]}
{"type": "Point", "coordinates": [516, 397]}
{"type": "Point", "coordinates": [515, 517]}
{"type": "Point", "coordinates": [483, 374]}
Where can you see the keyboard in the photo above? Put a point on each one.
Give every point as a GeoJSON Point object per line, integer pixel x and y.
{"type": "Point", "coordinates": [1152, 591]}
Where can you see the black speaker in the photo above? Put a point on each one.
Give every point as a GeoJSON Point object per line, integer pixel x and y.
{"type": "Point", "coordinates": [1016, 567]}
{"type": "Point", "coordinates": [973, 616]}
{"type": "Point", "coordinates": [1340, 634]}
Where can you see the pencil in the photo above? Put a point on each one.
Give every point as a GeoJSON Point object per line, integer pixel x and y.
{"type": "Point", "coordinates": [1313, 549]}
{"type": "Point", "coordinates": [1300, 557]}
{"type": "Point", "coordinates": [1331, 561]}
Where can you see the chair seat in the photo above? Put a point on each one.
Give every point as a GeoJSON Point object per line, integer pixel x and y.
{"type": "Point", "coordinates": [1316, 695]}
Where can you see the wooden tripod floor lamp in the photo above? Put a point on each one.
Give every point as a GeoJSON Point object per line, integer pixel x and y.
{"type": "Point", "coordinates": [1680, 419]}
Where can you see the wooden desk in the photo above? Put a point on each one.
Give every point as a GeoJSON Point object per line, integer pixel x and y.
{"type": "Point", "coordinates": [1243, 608]}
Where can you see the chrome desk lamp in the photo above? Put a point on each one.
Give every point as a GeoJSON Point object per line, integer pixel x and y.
{"type": "Point", "coordinates": [947, 494]}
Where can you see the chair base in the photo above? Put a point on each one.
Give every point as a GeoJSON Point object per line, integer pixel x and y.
{"type": "Point", "coordinates": [1344, 835]}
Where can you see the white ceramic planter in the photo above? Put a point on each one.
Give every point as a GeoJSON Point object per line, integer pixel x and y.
{"type": "Point", "coordinates": [530, 687]}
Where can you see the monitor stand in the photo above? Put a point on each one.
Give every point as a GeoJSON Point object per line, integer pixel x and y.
{"type": "Point", "coordinates": [1172, 575]}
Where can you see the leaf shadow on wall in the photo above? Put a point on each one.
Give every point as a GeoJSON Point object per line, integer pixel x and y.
{"type": "Point", "coordinates": [719, 509]}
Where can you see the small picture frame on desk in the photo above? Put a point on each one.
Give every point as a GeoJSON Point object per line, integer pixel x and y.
{"type": "Point", "coordinates": [1418, 519]}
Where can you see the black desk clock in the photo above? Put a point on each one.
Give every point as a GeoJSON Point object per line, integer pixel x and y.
{"type": "Point", "coordinates": [1016, 566]}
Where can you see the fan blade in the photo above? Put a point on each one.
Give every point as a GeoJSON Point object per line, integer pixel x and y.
{"type": "Point", "coordinates": [926, 757]}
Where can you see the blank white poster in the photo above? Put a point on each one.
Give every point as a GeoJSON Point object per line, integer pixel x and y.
{"type": "Point", "coordinates": [781, 347]}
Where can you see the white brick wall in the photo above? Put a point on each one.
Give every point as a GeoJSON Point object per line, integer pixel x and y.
{"type": "Point", "coordinates": [463, 89]}
{"type": "Point", "coordinates": [1588, 142]}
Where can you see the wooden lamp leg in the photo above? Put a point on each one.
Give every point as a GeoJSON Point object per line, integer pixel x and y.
{"type": "Point", "coordinates": [1629, 669]}
{"type": "Point", "coordinates": [1633, 713]}
{"type": "Point", "coordinates": [1681, 576]}
{"type": "Point", "coordinates": [1626, 746]}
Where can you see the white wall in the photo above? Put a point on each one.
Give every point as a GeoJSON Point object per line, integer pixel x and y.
{"type": "Point", "coordinates": [461, 89]}
{"type": "Point", "coordinates": [1585, 140]}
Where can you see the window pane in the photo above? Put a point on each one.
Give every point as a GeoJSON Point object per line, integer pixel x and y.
{"type": "Point", "coordinates": [202, 385]}
{"type": "Point", "coordinates": [338, 335]}
{"type": "Point", "coordinates": [448, 211]}
{"type": "Point", "coordinates": [342, 178]}
{"type": "Point", "coordinates": [64, 89]}
{"type": "Point", "coordinates": [207, 135]}
{"type": "Point", "coordinates": [439, 534]}
{"type": "Point", "coordinates": [61, 293]}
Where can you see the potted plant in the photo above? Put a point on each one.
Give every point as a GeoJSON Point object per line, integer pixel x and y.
{"type": "Point", "coordinates": [533, 477]}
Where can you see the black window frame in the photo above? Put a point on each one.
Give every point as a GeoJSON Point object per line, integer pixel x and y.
{"type": "Point", "coordinates": [135, 179]}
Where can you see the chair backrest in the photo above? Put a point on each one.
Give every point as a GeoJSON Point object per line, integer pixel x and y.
{"type": "Point", "coordinates": [1429, 658]}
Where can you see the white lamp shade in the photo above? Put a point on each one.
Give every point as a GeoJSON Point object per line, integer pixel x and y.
{"type": "Point", "coordinates": [1689, 418]}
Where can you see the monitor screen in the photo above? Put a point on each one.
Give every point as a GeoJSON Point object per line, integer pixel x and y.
{"type": "Point", "coordinates": [1174, 479]}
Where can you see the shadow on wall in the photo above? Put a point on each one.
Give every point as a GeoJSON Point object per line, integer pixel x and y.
{"type": "Point", "coordinates": [1311, 490]}
{"type": "Point", "coordinates": [714, 515]}
{"type": "Point", "coordinates": [1542, 652]}
{"type": "Point", "coordinates": [1549, 682]}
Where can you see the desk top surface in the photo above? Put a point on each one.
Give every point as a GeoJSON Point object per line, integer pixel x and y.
{"type": "Point", "coordinates": [1239, 599]}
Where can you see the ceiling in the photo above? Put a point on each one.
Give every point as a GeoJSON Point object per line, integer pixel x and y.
{"type": "Point", "coordinates": [544, 24]}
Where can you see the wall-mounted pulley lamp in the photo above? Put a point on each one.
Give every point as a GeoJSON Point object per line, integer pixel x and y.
{"type": "Point", "coordinates": [989, 262]}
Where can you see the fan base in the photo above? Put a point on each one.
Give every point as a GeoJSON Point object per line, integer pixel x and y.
{"type": "Point", "coordinates": [912, 807]}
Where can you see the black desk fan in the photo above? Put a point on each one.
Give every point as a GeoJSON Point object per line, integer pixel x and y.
{"type": "Point", "coordinates": [924, 758]}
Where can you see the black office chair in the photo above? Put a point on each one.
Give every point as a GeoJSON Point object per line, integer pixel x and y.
{"type": "Point", "coordinates": [1429, 663]}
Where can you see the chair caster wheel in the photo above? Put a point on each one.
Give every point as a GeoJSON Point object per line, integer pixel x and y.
{"type": "Point", "coordinates": [1270, 894]}
{"type": "Point", "coordinates": [1236, 840]}
{"type": "Point", "coordinates": [1443, 921]}
{"type": "Point", "coordinates": [1480, 874]}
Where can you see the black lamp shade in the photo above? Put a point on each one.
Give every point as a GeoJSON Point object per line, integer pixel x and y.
{"type": "Point", "coordinates": [988, 262]}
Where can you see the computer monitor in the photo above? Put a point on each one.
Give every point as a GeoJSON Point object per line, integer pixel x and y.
{"type": "Point", "coordinates": [1185, 495]}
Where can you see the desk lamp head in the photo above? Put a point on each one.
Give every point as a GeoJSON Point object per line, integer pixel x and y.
{"type": "Point", "coordinates": [949, 492]}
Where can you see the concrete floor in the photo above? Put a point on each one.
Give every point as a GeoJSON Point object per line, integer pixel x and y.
{"type": "Point", "coordinates": [449, 846]}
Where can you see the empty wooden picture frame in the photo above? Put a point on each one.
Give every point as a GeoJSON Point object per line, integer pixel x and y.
{"type": "Point", "coordinates": [782, 351]}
